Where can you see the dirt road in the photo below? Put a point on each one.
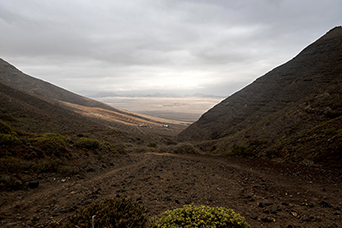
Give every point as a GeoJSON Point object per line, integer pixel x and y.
{"type": "Point", "coordinates": [267, 194]}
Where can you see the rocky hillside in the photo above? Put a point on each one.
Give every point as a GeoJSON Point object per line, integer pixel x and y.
{"type": "Point", "coordinates": [293, 112]}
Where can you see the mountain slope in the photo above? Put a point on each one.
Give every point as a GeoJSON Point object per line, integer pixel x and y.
{"type": "Point", "coordinates": [313, 68]}
{"type": "Point", "coordinates": [100, 113]}
{"type": "Point", "coordinates": [293, 113]}
{"type": "Point", "coordinates": [12, 77]}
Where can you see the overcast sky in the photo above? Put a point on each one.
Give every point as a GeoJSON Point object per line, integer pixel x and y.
{"type": "Point", "coordinates": [183, 46]}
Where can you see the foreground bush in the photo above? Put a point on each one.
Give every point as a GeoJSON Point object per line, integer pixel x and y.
{"type": "Point", "coordinates": [202, 216]}
{"type": "Point", "coordinates": [120, 213]}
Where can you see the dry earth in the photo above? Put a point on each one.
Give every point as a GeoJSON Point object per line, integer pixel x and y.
{"type": "Point", "coordinates": [266, 193]}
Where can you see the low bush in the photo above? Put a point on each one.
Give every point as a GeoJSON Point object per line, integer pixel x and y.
{"type": "Point", "coordinates": [11, 183]}
{"type": "Point", "coordinates": [88, 143]}
{"type": "Point", "coordinates": [11, 165]}
{"type": "Point", "coordinates": [51, 165]}
{"type": "Point", "coordinates": [51, 143]}
{"type": "Point", "coordinates": [120, 213]}
{"type": "Point", "coordinates": [119, 148]}
{"type": "Point", "coordinates": [8, 139]}
{"type": "Point", "coordinates": [6, 117]}
{"type": "Point", "coordinates": [181, 148]}
{"type": "Point", "coordinates": [241, 151]}
{"type": "Point", "coordinates": [5, 128]}
{"type": "Point", "coordinates": [152, 145]}
{"type": "Point", "coordinates": [202, 216]}
{"type": "Point", "coordinates": [185, 148]}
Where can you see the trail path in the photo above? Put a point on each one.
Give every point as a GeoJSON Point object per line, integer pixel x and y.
{"type": "Point", "coordinates": [267, 194]}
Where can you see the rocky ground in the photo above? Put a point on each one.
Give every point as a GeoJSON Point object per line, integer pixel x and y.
{"type": "Point", "coordinates": [267, 194]}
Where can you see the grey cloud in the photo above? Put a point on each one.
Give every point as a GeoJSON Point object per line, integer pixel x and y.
{"type": "Point", "coordinates": [149, 44]}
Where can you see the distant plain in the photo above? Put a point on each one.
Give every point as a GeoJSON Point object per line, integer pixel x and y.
{"type": "Point", "coordinates": [174, 108]}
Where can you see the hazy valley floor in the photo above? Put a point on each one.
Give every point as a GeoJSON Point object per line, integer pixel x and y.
{"type": "Point", "coordinates": [174, 108]}
{"type": "Point", "coordinates": [266, 193]}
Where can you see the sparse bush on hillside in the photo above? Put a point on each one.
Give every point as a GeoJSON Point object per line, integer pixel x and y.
{"type": "Point", "coordinates": [51, 165]}
{"type": "Point", "coordinates": [185, 148]}
{"type": "Point", "coordinates": [8, 139]}
{"type": "Point", "coordinates": [241, 151]}
{"type": "Point", "coordinates": [119, 148]}
{"type": "Point", "coordinates": [6, 117]}
{"type": "Point", "coordinates": [10, 183]}
{"type": "Point", "coordinates": [181, 148]}
{"type": "Point", "coordinates": [88, 143]}
{"type": "Point", "coordinates": [5, 128]}
{"type": "Point", "coordinates": [120, 213]}
{"type": "Point", "coordinates": [51, 143]}
{"type": "Point", "coordinates": [202, 216]}
{"type": "Point", "coordinates": [152, 145]}
{"type": "Point", "coordinates": [11, 165]}
{"type": "Point", "coordinates": [81, 135]}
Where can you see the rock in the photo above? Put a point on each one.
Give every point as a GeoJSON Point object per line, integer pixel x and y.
{"type": "Point", "coordinates": [267, 219]}
{"type": "Point", "coordinates": [294, 213]}
{"type": "Point", "coordinates": [33, 184]}
{"type": "Point", "coordinates": [312, 218]}
{"type": "Point", "coordinates": [254, 217]}
{"type": "Point", "coordinates": [273, 211]}
{"type": "Point", "coordinates": [306, 218]}
{"type": "Point", "coordinates": [325, 204]}
{"type": "Point", "coordinates": [261, 205]}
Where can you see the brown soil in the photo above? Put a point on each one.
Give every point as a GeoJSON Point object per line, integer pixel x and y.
{"type": "Point", "coordinates": [267, 194]}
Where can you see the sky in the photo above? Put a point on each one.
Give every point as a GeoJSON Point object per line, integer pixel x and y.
{"type": "Point", "coordinates": [211, 47]}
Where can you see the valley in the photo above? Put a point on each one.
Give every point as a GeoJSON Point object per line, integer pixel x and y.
{"type": "Point", "coordinates": [187, 109]}
{"type": "Point", "coordinates": [272, 151]}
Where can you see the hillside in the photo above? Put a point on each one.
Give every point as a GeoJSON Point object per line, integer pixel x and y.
{"type": "Point", "coordinates": [96, 112]}
{"type": "Point", "coordinates": [299, 100]}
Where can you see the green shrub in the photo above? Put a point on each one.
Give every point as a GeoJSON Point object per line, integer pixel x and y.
{"type": "Point", "coordinates": [88, 143]}
{"type": "Point", "coordinates": [6, 117]}
{"type": "Point", "coordinates": [8, 139]}
{"type": "Point", "coordinates": [119, 148]}
{"type": "Point", "coordinates": [152, 145]}
{"type": "Point", "coordinates": [185, 148]}
{"type": "Point", "coordinates": [5, 128]}
{"type": "Point", "coordinates": [11, 165]}
{"type": "Point", "coordinates": [42, 166]}
{"type": "Point", "coordinates": [51, 143]}
{"type": "Point", "coordinates": [11, 183]}
{"type": "Point", "coordinates": [119, 213]}
{"type": "Point", "coordinates": [242, 151]}
{"type": "Point", "coordinates": [202, 216]}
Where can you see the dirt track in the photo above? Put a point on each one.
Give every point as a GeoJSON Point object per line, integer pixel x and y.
{"type": "Point", "coordinates": [268, 194]}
